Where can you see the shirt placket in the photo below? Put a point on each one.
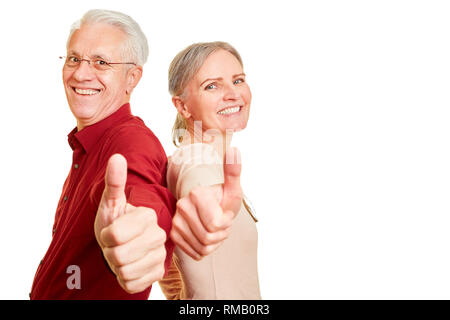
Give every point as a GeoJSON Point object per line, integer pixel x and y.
{"type": "Point", "coordinates": [75, 170]}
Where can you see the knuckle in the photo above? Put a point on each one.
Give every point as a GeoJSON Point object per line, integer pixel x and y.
{"type": "Point", "coordinates": [147, 216]}
{"type": "Point", "coordinates": [162, 255]}
{"type": "Point", "coordinates": [161, 237]}
{"type": "Point", "coordinates": [214, 224]}
{"type": "Point", "coordinates": [196, 193]}
{"type": "Point", "coordinates": [205, 250]}
{"type": "Point", "coordinates": [176, 222]}
{"type": "Point", "coordinates": [182, 205]}
{"type": "Point", "coordinates": [175, 236]}
{"type": "Point", "coordinates": [115, 233]}
{"type": "Point", "coordinates": [122, 273]}
{"type": "Point", "coordinates": [209, 238]}
{"type": "Point", "coordinates": [116, 256]}
{"type": "Point", "coordinates": [205, 238]}
{"type": "Point", "coordinates": [198, 257]}
{"type": "Point", "coordinates": [156, 235]}
{"type": "Point", "coordinates": [129, 287]}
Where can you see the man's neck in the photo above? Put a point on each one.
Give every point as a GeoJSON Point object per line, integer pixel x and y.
{"type": "Point", "coordinates": [83, 123]}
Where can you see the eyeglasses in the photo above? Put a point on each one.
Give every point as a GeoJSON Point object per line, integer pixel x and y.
{"type": "Point", "coordinates": [98, 63]}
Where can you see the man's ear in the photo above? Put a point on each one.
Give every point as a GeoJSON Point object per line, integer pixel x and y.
{"type": "Point", "coordinates": [181, 107]}
{"type": "Point", "coordinates": [133, 77]}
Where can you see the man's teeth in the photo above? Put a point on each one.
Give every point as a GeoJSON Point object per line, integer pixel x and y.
{"type": "Point", "coordinates": [229, 110]}
{"type": "Point", "coordinates": [86, 91]}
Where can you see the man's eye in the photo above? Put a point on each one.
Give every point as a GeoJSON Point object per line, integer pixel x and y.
{"type": "Point", "coordinates": [73, 59]}
{"type": "Point", "coordinates": [101, 62]}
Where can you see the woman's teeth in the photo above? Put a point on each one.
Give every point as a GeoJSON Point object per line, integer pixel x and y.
{"type": "Point", "coordinates": [229, 110]}
{"type": "Point", "coordinates": [88, 92]}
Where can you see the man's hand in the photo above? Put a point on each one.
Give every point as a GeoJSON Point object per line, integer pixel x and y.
{"type": "Point", "coordinates": [204, 217]}
{"type": "Point", "coordinates": [130, 238]}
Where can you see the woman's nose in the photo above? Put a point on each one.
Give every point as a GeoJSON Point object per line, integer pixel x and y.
{"type": "Point", "coordinates": [230, 92]}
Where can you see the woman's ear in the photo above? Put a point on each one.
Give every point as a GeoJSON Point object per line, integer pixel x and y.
{"type": "Point", "coordinates": [133, 77]}
{"type": "Point", "coordinates": [181, 107]}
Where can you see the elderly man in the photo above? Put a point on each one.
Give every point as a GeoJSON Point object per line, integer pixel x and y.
{"type": "Point", "coordinates": [110, 234]}
{"type": "Point", "coordinates": [113, 220]}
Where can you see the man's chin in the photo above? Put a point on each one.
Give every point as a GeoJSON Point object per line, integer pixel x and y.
{"type": "Point", "coordinates": [82, 112]}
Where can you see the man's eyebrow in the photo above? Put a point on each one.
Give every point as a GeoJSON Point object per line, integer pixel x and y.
{"type": "Point", "coordinates": [99, 56]}
{"type": "Point", "coordinates": [209, 79]}
{"type": "Point", "coordinates": [94, 56]}
{"type": "Point", "coordinates": [73, 52]}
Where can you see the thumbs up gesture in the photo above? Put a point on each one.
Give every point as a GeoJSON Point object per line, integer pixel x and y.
{"type": "Point", "coordinates": [130, 238]}
{"type": "Point", "coordinates": [204, 217]}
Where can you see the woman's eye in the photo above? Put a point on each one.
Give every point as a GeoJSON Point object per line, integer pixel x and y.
{"type": "Point", "coordinates": [211, 86]}
{"type": "Point", "coordinates": [237, 81]}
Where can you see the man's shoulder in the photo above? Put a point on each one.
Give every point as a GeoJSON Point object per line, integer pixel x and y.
{"type": "Point", "coordinates": [133, 136]}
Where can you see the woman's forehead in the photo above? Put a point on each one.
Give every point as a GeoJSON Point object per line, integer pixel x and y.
{"type": "Point", "coordinates": [219, 64]}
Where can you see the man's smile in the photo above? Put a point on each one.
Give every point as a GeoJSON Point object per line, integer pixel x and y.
{"type": "Point", "coordinates": [86, 92]}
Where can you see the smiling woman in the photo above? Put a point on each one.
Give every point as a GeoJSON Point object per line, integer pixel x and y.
{"type": "Point", "coordinates": [217, 95]}
{"type": "Point", "coordinates": [197, 81]}
{"type": "Point", "coordinates": [208, 85]}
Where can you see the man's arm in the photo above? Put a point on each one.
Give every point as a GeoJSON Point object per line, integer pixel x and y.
{"type": "Point", "coordinates": [130, 238]}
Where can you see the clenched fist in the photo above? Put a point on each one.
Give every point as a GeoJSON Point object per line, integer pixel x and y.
{"type": "Point", "coordinates": [204, 217]}
{"type": "Point", "coordinates": [130, 238]}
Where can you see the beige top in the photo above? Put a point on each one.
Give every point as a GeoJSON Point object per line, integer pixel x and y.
{"type": "Point", "coordinates": [230, 272]}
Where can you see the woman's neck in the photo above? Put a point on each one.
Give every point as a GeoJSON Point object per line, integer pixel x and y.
{"type": "Point", "coordinates": [220, 141]}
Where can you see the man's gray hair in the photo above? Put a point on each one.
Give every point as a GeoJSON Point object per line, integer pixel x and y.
{"type": "Point", "coordinates": [136, 45]}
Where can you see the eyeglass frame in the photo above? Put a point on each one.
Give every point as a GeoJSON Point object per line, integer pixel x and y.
{"type": "Point", "coordinates": [92, 60]}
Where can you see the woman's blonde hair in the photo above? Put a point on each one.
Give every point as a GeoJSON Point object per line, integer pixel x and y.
{"type": "Point", "coordinates": [184, 67]}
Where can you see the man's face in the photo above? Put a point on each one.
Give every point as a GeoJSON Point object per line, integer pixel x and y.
{"type": "Point", "coordinates": [95, 94]}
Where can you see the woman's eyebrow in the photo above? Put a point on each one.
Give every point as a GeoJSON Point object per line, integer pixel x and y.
{"type": "Point", "coordinates": [209, 79]}
{"type": "Point", "coordinates": [239, 75]}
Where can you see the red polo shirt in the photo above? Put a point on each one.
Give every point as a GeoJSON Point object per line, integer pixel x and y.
{"type": "Point", "coordinates": [73, 244]}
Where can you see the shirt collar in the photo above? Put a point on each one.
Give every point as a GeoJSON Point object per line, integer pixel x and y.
{"type": "Point", "coordinates": [89, 136]}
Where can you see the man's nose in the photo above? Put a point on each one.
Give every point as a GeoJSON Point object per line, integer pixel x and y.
{"type": "Point", "coordinates": [84, 71]}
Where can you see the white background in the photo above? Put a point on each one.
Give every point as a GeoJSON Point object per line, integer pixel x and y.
{"type": "Point", "coordinates": [346, 156]}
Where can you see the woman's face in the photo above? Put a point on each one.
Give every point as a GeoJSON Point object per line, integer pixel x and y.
{"type": "Point", "coordinates": [218, 94]}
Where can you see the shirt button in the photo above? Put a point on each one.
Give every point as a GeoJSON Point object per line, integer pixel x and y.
{"type": "Point", "coordinates": [54, 230]}
{"type": "Point", "coordinates": [41, 261]}
{"type": "Point", "coordinates": [76, 166]}
{"type": "Point", "coordinates": [65, 198]}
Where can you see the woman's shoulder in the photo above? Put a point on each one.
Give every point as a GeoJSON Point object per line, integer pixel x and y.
{"type": "Point", "coordinates": [193, 165]}
{"type": "Point", "coordinates": [195, 154]}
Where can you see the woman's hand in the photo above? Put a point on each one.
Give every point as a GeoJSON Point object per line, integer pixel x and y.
{"type": "Point", "coordinates": [204, 217]}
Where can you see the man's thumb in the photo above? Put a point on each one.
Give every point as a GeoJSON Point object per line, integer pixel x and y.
{"type": "Point", "coordinates": [232, 192]}
{"type": "Point", "coordinates": [115, 179]}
